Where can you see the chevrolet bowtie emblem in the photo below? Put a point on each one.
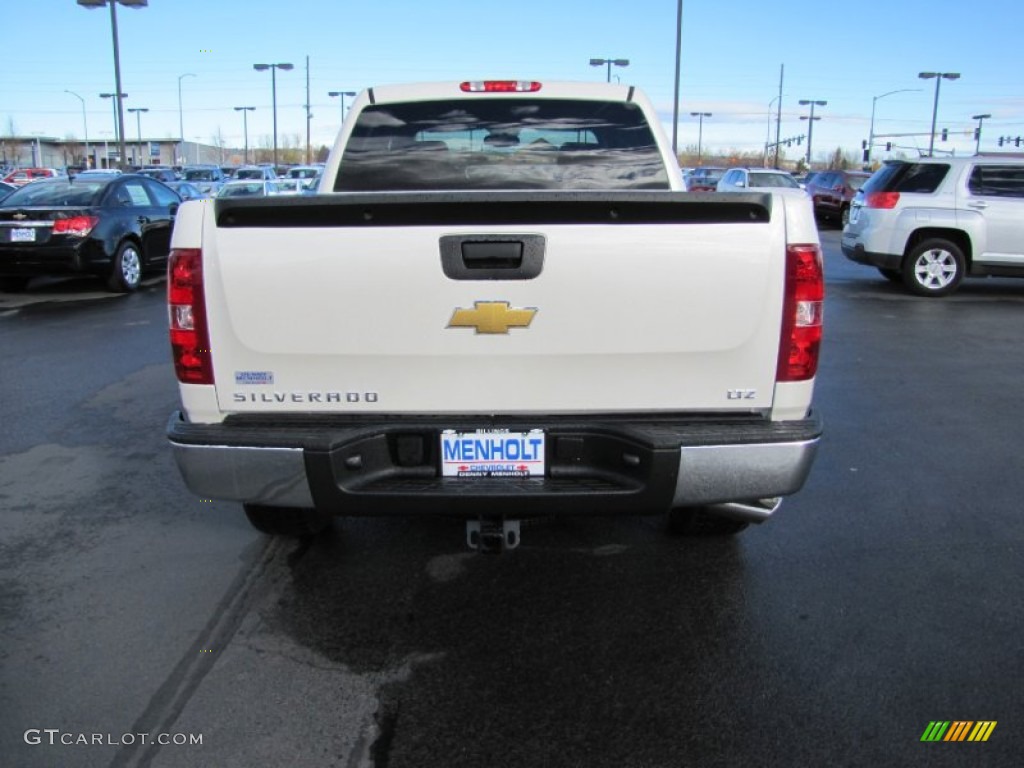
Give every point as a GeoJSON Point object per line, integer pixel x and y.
{"type": "Point", "coordinates": [20, 216]}
{"type": "Point", "coordinates": [492, 317]}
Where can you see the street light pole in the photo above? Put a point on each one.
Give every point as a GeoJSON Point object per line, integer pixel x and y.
{"type": "Point", "coordinates": [768, 137]}
{"type": "Point", "coordinates": [609, 62]}
{"type": "Point", "coordinates": [675, 91]}
{"type": "Point", "coordinates": [810, 122]}
{"type": "Point", "coordinates": [85, 125]}
{"type": "Point", "coordinates": [700, 131]}
{"type": "Point", "coordinates": [180, 156]}
{"type": "Point", "coordinates": [138, 127]}
{"type": "Point", "coordinates": [273, 90]}
{"type": "Point", "coordinates": [117, 59]}
{"type": "Point", "coordinates": [977, 133]}
{"type": "Point", "coordinates": [118, 136]}
{"type": "Point", "coordinates": [245, 127]}
{"type": "Point", "coordinates": [939, 76]}
{"type": "Point", "coordinates": [871, 130]}
{"type": "Point", "coordinates": [342, 95]}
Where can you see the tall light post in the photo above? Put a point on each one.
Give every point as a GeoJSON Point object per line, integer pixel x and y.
{"type": "Point", "coordinates": [85, 125]}
{"type": "Point", "coordinates": [118, 125]}
{"type": "Point", "coordinates": [977, 132]}
{"type": "Point", "coordinates": [245, 127]}
{"type": "Point", "coordinates": [768, 138]}
{"type": "Point", "coordinates": [117, 59]}
{"type": "Point", "coordinates": [810, 122]}
{"type": "Point", "coordinates": [609, 62]}
{"type": "Point", "coordinates": [138, 126]}
{"type": "Point", "coordinates": [939, 77]}
{"type": "Point", "coordinates": [871, 130]}
{"type": "Point", "coordinates": [273, 91]}
{"type": "Point", "coordinates": [675, 90]}
{"type": "Point", "coordinates": [180, 156]}
{"type": "Point", "coordinates": [341, 96]}
{"type": "Point", "coordinates": [700, 131]}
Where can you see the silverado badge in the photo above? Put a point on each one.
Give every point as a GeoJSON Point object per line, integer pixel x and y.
{"type": "Point", "coordinates": [492, 317]}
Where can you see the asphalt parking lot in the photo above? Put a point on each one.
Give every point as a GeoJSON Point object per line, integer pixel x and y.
{"type": "Point", "coordinates": [883, 597]}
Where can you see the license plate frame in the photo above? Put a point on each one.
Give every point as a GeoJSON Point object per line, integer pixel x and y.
{"type": "Point", "coordinates": [493, 453]}
{"type": "Point", "coordinates": [23, 235]}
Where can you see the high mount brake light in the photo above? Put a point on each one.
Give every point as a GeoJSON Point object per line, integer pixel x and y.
{"type": "Point", "coordinates": [186, 310]}
{"type": "Point", "coordinates": [802, 308]}
{"type": "Point", "coordinates": [881, 199]}
{"type": "Point", "coordinates": [80, 226]}
{"type": "Point", "coordinates": [500, 86]}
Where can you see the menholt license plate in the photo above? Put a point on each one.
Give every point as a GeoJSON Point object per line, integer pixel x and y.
{"type": "Point", "coordinates": [492, 453]}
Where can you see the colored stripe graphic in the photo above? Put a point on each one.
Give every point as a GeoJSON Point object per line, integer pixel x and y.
{"type": "Point", "coordinates": [959, 730]}
{"type": "Point", "coordinates": [982, 730]}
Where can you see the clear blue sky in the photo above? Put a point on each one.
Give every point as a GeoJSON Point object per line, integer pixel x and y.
{"type": "Point", "coordinates": [844, 53]}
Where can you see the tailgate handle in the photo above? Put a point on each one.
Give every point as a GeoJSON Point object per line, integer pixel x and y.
{"type": "Point", "coordinates": [492, 257]}
{"type": "Point", "coordinates": [497, 255]}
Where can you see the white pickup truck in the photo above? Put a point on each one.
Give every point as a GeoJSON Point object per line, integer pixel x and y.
{"type": "Point", "coordinates": [501, 304]}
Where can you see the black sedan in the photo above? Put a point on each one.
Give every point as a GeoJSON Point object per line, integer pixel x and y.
{"type": "Point", "coordinates": [117, 227]}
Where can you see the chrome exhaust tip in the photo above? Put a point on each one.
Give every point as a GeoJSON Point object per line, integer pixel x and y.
{"type": "Point", "coordinates": [746, 511]}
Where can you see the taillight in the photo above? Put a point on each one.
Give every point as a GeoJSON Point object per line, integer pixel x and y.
{"type": "Point", "coordinates": [186, 309]}
{"type": "Point", "coordinates": [881, 199]}
{"type": "Point", "coordinates": [802, 310]}
{"type": "Point", "coordinates": [500, 86]}
{"type": "Point", "coordinates": [79, 226]}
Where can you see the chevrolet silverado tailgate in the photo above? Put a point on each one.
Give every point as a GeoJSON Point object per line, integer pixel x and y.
{"type": "Point", "coordinates": [495, 302]}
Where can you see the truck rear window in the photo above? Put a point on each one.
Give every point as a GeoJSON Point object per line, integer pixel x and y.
{"type": "Point", "coordinates": [501, 143]}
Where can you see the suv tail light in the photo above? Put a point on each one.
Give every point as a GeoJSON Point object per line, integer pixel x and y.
{"type": "Point", "coordinates": [79, 226]}
{"type": "Point", "coordinates": [881, 199]}
{"type": "Point", "coordinates": [802, 310]}
{"type": "Point", "coordinates": [186, 309]}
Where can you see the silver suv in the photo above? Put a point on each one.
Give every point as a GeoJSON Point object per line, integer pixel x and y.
{"type": "Point", "coordinates": [927, 223]}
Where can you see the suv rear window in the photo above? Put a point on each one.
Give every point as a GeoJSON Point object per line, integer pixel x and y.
{"type": "Point", "coordinates": [501, 143]}
{"type": "Point", "coordinates": [907, 177]}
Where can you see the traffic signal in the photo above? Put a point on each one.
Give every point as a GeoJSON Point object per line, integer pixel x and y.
{"type": "Point", "coordinates": [1017, 141]}
{"type": "Point", "coordinates": [945, 134]}
{"type": "Point", "coordinates": [888, 146]}
{"type": "Point", "coordinates": [1000, 141]}
{"type": "Point", "coordinates": [864, 144]}
{"type": "Point", "coordinates": [867, 156]}
{"type": "Point", "coordinates": [977, 133]}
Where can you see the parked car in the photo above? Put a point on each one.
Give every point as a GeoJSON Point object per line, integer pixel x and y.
{"type": "Point", "coordinates": [114, 226]}
{"type": "Point", "coordinates": [89, 172]}
{"type": "Point", "coordinates": [309, 176]}
{"type": "Point", "coordinates": [261, 188]}
{"type": "Point", "coordinates": [188, 191]}
{"type": "Point", "coordinates": [745, 179]}
{"type": "Point", "coordinates": [206, 178]}
{"type": "Point", "coordinates": [250, 172]}
{"type": "Point", "coordinates": [930, 222]}
{"type": "Point", "coordinates": [25, 175]}
{"type": "Point", "coordinates": [832, 192]}
{"type": "Point", "coordinates": [704, 179]}
{"type": "Point", "coordinates": [160, 174]}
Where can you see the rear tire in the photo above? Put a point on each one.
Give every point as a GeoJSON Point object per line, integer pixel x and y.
{"type": "Point", "coordinates": [287, 521]}
{"type": "Point", "coordinates": [934, 268]}
{"type": "Point", "coordinates": [698, 521]}
{"type": "Point", "coordinates": [126, 271]}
